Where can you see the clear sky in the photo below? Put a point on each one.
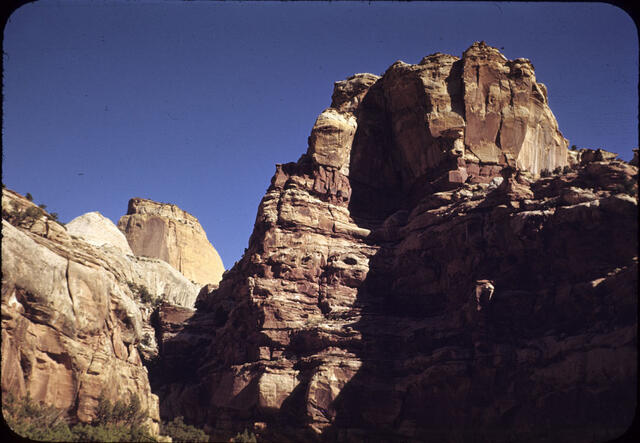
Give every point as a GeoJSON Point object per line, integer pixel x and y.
{"type": "Point", "coordinates": [194, 103]}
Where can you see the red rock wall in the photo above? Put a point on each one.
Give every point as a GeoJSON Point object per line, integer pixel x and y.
{"type": "Point", "coordinates": [382, 300]}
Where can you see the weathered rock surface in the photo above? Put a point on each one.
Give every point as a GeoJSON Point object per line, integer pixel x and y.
{"type": "Point", "coordinates": [386, 296]}
{"type": "Point", "coordinates": [72, 321]}
{"type": "Point", "coordinates": [23, 213]}
{"type": "Point", "coordinates": [586, 155]}
{"type": "Point", "coordinates": [98, 230]}
{"type": "Point", "coordinates": [164, 231]}
{"type": "Point", "coordinates": [69, 331]}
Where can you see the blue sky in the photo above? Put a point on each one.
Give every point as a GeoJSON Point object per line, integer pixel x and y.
{"type": "Point", "coordinates": [194, 103]}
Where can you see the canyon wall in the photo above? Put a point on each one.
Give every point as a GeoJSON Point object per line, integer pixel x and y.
{"type": "Point", "coordinates": [75, 326]}
{"type": "Point", "coordinates": [412, 277]}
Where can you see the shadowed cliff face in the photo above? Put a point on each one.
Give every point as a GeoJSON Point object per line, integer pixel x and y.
{"type": "Point", "coordinates": [548, 353]}
{"type": "Point", "coordinates": [411, 277]}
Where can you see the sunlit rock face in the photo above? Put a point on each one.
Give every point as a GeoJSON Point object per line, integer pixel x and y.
{"type": "Point", "coordinates": [411, 278]}
{"type": "Point", "coordinates": [74, 326]}
{"type": "Point", "coordinates": [507, 113]}
{"type": "Point", "coordinates": [98, 230]}
{"type": "Point", "coordinates": [70, 325]}
{"type": "Point", "coordinates": [472, 115]}
{"type": "Point", "coordinates": [164, 231]}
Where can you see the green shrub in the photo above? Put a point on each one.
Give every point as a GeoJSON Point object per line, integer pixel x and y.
{"type": "Point", "coordinates": [566, 169]}
{"type": "Point", "coordinates": [120, 412]}
{"type": "Point", "coordinates": [545, 173]}
{"type": "Point", "coordinates": [141, 292]}
{"type": "Point", "coordinates": [145, 295]}
{"type": "Point", "coordinates": [557, 170]}
{"type": "Point", "coordinates": [110, 433]}
{"type": "Point", "coordinates": [29, 197]}
{"type": "Point", "coordinates": [33, 212]}
{"type": "Point", "coordinates": [179, 431]}
{"type": "Point", "coordinates": [245, 437]}
{"type": "Point", "coordinates": [33, 420]}
{"type": "Point", "coordinates": [122, 421]}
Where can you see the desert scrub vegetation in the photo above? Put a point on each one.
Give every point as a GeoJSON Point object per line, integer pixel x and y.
{"type": "Point", "coordinates": [245, 437]}
{"type": "Point", "coordinates": [33, 420]}
{"type": "Point", "coordinates": [122, 421]}
{"type": "Point", "coordinates": [142, 293]}
{"type": "Point", "coordinates": [29, 216]}
{"type": "Point", "coordinates": [179, 431]}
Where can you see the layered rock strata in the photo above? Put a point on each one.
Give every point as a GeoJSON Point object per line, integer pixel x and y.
{"type": "Point", "coordinates": [164, 231]}
{"type": "Point", "coordinates": [74, 326]}
{"type": "Point", "coordinates": [411, 279]}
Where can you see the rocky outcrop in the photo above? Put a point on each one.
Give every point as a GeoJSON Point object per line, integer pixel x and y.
{"type": "Point", "coordinates": [69, 331]}
{"type": "Point", "coordinates": [164, 231]}
{"type": "Point", "coordinates": [98, 230]}
{"type": "Point", "coordinates": [411, 278]}
{"type": "Point", "coordinates": [74, 321]}
{"type": "Point", "coordinates": [586, 155]}
{"type": "Point", "coordinates": [470, 116]}
{"type": "Point", "coordinates": [507, 113]}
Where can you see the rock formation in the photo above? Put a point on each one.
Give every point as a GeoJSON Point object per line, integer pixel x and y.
{"type": "Point", "coordinates": [164, 231]}
{"type": "Point", "coordinates": [73, 323]}
{"type": "Point", "coordinates": [411, 278]}
{"type": "Point", "coordinates": [98, 230]}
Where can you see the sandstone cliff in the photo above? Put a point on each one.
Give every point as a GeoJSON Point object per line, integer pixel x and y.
{"type": "Point", "coordinates": [412, 278]}
{"type": "Point", "coordinates": [98, 230]}
{"type": "Point", "coordinates": [164, 231]}
{"type": "Point", "coordinates": [74, 324]}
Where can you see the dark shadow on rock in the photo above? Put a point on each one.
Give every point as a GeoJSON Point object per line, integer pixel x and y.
{"type": "Point", "coordinates": [526, 366]}
{"type": "Point", "coordinates": [550, 356]}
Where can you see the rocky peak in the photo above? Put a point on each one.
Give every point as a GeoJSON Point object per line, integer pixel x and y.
{"type": "Point", "coordinates": [481, 51]}
{"type": "Point", "coordinates": [413, 277]}
{"type": "Point", "coordinates": [145, 206]}
{"type": "Point", "coordinates": [347, 94]}
{"type": "Point", "coordinates": [445, 120]}
{"type": "Point", "coordinates": [164, 231]}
